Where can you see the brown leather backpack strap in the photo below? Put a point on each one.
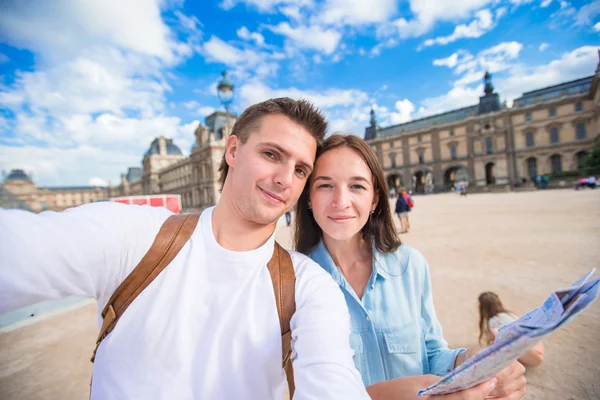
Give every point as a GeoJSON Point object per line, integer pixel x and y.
{"type": "Point", "coordinates": [172, 236]}
{"type": "Point", "coordinates": [283, 277]}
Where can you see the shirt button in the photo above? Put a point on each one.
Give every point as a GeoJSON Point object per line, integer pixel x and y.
{"type": "Point", "coordinates": [368, 318]}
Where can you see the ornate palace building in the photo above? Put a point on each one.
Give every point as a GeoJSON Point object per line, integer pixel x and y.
{"type": "Point", "coordinates": [546, 131]}
{"type": "Point", "coordinates": [19, 191]}
{"type": "Point", "coordinates": [195, 178]}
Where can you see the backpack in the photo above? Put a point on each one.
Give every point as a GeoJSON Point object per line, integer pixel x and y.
{"type": "Point", "coordinates": [172, 236]}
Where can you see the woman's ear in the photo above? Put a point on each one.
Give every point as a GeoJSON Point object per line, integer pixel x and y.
{"type": "Point", "coordinates": [231, 147]}
{"type": "Point", "coordinates": [375, 202]}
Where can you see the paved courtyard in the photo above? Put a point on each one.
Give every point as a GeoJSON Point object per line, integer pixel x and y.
{"type": "Point", "coordinates": [520, 245]}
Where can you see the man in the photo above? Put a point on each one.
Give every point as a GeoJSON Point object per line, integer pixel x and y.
{"type": "Point", "coordinates": [207, 327]}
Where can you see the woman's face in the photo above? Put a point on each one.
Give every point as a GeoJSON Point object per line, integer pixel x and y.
{"type": "Point", "coordinates": [341, 193]}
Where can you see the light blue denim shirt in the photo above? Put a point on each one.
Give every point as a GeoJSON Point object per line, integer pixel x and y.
{"type": "Point", "coordinates": [394, 328]}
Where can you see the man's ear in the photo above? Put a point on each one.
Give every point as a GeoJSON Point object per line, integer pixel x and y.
{"type": "Point", "coordinates": [231, 147]}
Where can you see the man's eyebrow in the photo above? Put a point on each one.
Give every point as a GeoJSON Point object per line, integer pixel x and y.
{"type": "Point", "coordinates": [285, 153]}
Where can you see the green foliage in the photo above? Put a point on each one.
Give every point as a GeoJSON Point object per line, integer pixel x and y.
{"type": "Point", "coordinates": [592, 160]}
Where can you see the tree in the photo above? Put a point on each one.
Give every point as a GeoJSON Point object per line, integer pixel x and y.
{"type": "Point", "coordinates": [592, 160]}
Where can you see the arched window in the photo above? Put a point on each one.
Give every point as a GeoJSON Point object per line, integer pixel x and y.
{"type": "Point", "coordinates": [556, 161]}
{"type": "Point", "coordinates": [532, 166]}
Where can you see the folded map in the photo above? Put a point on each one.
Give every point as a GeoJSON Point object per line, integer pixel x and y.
{"type": "Point", "coordinates": [515, 339]}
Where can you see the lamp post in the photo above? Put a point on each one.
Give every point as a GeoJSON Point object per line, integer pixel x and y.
{"type": "Point", "coordinates": [225, 92]}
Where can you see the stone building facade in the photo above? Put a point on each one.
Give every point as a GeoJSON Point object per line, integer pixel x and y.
{"type": "Point", "coordinates": [546, 131]}
{"type": "Point", "coordinates": [166, 171]}
{"type": "Point", "coordinates": [37, 199]}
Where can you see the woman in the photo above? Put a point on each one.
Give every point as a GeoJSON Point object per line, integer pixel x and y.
{"type": "Point", "coordinates": [344, 223]}
{"type": "Point", "coordinates": [402, 211]}
{"type": "Point", "coordinates": [492, 315]}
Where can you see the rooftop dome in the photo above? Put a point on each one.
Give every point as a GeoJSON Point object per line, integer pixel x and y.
{"type": "Point", "coordinates": [170, 148]}
{"type": "Point", "coordinates": [16, 174]}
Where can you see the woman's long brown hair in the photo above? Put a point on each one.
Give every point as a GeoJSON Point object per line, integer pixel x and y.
{"type": "Point", "coordinates": [379, 229]}
{"type": "Point", "coordinates": [489, 306]}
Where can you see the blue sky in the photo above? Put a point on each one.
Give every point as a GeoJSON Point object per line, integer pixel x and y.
{"type": "Point", "coordinates": [86, 86]}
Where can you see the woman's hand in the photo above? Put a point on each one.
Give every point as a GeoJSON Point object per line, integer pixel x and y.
{"type": "Point", "coordinates": [511, 383]}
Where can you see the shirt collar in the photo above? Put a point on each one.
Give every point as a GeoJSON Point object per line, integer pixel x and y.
{"type": "Point", "coordinates": [322, 257]}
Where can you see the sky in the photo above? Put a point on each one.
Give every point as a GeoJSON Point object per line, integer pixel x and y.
{"type": "Point", "coordinates": [85, 86]}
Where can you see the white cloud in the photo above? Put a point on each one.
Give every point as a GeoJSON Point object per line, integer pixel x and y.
{"type": "Point", "coordinates": [514, 78]}
{"type": "Point", "coordinates": [575, 64]}
{"type": "Point", "coordinates": [471, 68]}
{"type": "Point", "coordinates": [482, 24]}
{"type": "Point", "coordinates": [292, 12]}
{"type": "Point", "coordinates": [544, 46]}
{"type": "Point", "coordinates": [192, 104]}
{"type": "Point", "coordinates": [404, 108]}
{"type": "Point", "coordinates": [244, 34]}
{"type": "Point", "coordinates": [427, 13]}
{"type": "Point", "coordinates": [256, 91]}
{"type": "Point", "coordinates": [449, 62]}
{"type": "Point", "coordinates": [596, 27]}
{"type": "Point", "coordinates": [3, 58]}
{"type": "Point", "coordinates": [265, 6]}
{"type": "Point", "coordinates": [96, 97]}
{"type": "Point", "coordinates": [357, 12]}
{"type": "Point", "coordinates": [545, 3]}
{"type": "Point", "coordinates": [309, 37]}
{"type": "Point", "coordinates": [587, 13]}
{"type": "Point", "coordinates": [206, 110]}
{"type": "Point", "coordinates": [343, 107]}
{"type": "Point", "coordinates": [95, 181]}
{"type": "Point", "coordinates": [457, 97]}
{"type": "Point", "coordinates": [67, 27]}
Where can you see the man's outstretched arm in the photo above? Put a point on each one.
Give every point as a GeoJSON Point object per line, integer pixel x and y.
{"type": "Point", "coordinates": [85, 251]}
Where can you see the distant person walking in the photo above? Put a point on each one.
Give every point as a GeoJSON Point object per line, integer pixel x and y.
{"type": "Point", "coordinates": [288, 217]}
{"type": "Point", "coordinates": [492, 315]}
{"type": "Point", "coordinates": [410, 203]}
{"type": "Point", "coordinates": [402, 210]}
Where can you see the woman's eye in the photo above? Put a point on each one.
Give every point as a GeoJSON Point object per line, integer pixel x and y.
{"type": "Point", "coordinates": [358, 187]}
{"type": "Point", "coordinates": [324, 186]}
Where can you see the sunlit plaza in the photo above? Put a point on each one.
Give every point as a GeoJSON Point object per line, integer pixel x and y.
{"type": "Point", "coordinates": [519, 245]}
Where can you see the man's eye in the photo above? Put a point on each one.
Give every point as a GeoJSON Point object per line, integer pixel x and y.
{"type": "Point", "coordinates": [301, 172]}
{"type": "Point", "coordinates": [269, 155]}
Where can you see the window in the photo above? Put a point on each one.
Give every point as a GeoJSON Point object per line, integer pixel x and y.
{"type": "Point", "coordinates": [532, 166]}
{"type": "Point", "coordinates": [528, 117]}
{"type": "Point", "coordinates": [393, 160]}
{"type": "Point", "coordinates": [421, 158]}
{"type": "Point", "coordinates": [580, 129]}
{"type": "Point", "coordinates": [453, 151]}
{"type": "Point", "coordinates": [579, 106]}
{"type": "Point", "coordinates": [553, 135]}
{"type": "Point", "coordinates": [420, 139]}
{"type": "Point", "coordinates": [451, 132]}
{"type": "Point", "coordinates": [556, 161]}
{"type": "Point", "coordinates": [529, 139]}
{"type": "Point", "coordinates": [391, 145]}
{"type": "Point", "coordinates": [552, 112]}
{"type": "Point", "coordinates": [489, 145]}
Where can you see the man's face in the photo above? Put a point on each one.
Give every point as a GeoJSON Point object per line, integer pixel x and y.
{"type": "Point", "coordinates": [267, 173]}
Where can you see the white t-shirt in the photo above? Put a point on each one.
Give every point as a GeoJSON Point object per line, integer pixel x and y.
{"type": "Point", "coordinates": [501, 319]}
{"type": "Point", "coordinates": [205, 328]}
